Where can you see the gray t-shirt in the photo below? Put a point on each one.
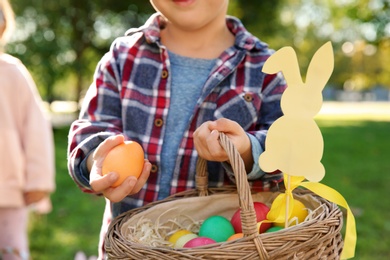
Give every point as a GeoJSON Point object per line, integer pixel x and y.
{"type": "Point", "coordinates": [188, 76]}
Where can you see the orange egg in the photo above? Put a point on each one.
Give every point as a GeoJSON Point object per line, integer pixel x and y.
{"type": "Point", "coordinates": [126, 159]}
{"type": "Point", "coordinates": [235, 236]}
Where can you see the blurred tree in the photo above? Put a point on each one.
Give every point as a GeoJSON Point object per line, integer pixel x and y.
{"type": "Point", "coordinates": [359, 31]}
{"type": "Point", "coordinates": [62, 41]}
{"type": "Point", "coordinates": [261, 18]}
{"type": "Point", "coordinates": [58, 40]}
{"type": "Point", "coordinates": [368, 41]}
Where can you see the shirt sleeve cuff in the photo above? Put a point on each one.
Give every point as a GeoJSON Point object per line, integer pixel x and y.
{"type": "Point", "coordinates": [84, 169]}
{"type": "Point", "coordinates": [256, 172]}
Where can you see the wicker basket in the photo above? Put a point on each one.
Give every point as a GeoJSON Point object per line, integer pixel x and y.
{"type": "Point", "coordinates": [317, 238]}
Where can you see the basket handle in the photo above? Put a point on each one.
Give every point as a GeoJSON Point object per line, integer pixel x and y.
{"type": "Point", "coordinates": [248, 214]}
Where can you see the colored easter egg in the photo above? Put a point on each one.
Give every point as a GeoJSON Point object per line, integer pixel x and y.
{"type": "Point", "coordinates": [175, 236]}
{"type": "Point", "coordinates": [199, 241]}
{"type": "Point", "coordinates": [217, 228]}
{"type": "Point", "coordinates": [273, 229]}
{"type": "Point", "coordinates": [299, 213]}
{"type": "Point", "coordinates": [235, 236]}
{"type": "Point", "coordinates": [126, 159]}
{"type": "Point", "coordinates": [261, 211]}
{"type": "Point", "coordinates": [184, 239]}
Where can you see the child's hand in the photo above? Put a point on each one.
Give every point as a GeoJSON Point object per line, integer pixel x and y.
{"type": "Point", "coordinates": [102, 184]}
{"type": "Point", "coordinates": [207, 144]}
{"type": "Point", "coordinates": [31, 197]}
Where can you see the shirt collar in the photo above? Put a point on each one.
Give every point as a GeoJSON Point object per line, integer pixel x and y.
{"type": "Point", "coordinates": [151, 28]}
{"type": "Point", "coordinates": [244, 39]}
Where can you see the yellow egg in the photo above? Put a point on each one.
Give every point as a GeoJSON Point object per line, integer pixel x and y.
{"type": "Point", "coordinates": [184, 239]}
{"type": "Point", "coordinates": [175, 236]}
{"type": "Point", "coordinates": [298, 214]}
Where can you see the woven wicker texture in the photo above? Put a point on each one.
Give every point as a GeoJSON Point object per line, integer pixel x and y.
{"type": "Point", "coordinates": [318, 238]}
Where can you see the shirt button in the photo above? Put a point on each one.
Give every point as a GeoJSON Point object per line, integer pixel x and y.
{"type": "Point", "coordinates": [248, 97]}
{"type": "Point", "coordinates": [164, 74]}
{"type": "Point", "coordinates": [158, 122]}
{"type": "Point", "coordinates": [154, 168]}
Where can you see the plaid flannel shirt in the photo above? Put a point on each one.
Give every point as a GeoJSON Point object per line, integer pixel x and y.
{"type": "Point", "coordinates": [130, 95]}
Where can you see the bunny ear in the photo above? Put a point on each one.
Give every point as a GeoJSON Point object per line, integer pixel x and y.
{"type": "Point", "coordinates": [284, 60]}
{"type": "Point", "coordinates": [321, 66]}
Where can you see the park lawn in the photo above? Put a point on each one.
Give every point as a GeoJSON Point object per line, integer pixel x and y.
{"type": "Point", "coordinates": [74, 223]}
{"type": "Point", "coordinates": [356, 159]}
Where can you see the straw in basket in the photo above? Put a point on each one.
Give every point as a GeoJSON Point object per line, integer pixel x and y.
{"type": "Point", "coordinates": [317, 238]}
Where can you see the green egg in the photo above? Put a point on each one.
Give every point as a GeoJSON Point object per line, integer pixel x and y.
{"type": "Point", "coordinates": [217, 228]}
{"type": "Point", "coordinates": [273, 229]}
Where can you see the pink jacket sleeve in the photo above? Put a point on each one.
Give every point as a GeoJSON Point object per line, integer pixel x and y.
{"type": "Point", "coordinates": [38, 142]}
{"type": "Point", "coordinates": [26, 143]}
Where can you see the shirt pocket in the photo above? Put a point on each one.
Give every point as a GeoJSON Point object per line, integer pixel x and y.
{"type": "Point", "coordinates": [240, 106]}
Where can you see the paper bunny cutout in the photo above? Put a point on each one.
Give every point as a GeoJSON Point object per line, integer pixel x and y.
{"type": "Point", "coordinates": [294, 143]}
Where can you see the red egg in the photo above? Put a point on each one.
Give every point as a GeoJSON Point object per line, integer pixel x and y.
{"type": "Point", "coordinates": [199, 241]}
{"type": "Point", "coordinates": [261, 214]}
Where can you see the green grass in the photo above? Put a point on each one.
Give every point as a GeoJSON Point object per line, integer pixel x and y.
{"type": "Point", "coordinates": [357, 163]}
{"type": "Point", "coordinates": [74, 223]}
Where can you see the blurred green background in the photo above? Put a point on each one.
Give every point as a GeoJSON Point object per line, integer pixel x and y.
{"type": "Point", "coordinates": [61, 42]}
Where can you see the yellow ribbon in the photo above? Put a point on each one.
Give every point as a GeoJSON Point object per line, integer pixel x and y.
{"type": "Point", "coordinates": [278, 212]}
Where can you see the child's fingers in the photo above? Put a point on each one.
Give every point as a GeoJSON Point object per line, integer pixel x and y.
{"type": "Point", "coordinates": [223, 125]}
{"type": "Point", "coordinates": [214, 147]}
{"type": "Point", "coordinates": [100, 183]}
{"type": "Point", "coordinates": [226, 126]}
{"type": "Point", "coordinates": [143, 177]}
{"type": "Point", "coordinates": [105, 147]}
{"type": "Point", "coordinates": [207, 144]}
{"type": "Point", "coordinates": [119, 193]}
{"type": "Point", "coordinates": [199, 139]}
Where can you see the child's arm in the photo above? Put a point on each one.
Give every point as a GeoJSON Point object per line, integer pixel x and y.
{"type": "Point", "coordinates": [208, 147]}
{"type": "Point", "coordinates": [102, 184]}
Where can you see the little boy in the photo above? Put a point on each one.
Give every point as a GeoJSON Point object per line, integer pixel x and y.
{"type": "Point", "coordinates": [171, 85]}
